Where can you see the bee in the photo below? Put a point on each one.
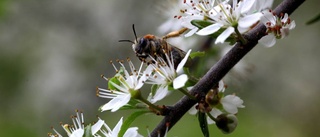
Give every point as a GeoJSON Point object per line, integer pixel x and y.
{"type": "Point", "coordinates": [153, 46]}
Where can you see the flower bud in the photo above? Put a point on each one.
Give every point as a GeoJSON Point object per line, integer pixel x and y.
{"type": "Point", "coordinates": [227, 123]}
{"type": "Point", "coordinates": [212, 97]}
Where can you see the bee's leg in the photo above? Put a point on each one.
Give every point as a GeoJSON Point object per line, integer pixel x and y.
{"type": "Point", "coordinates": [144, 60]}
{"type": "Point", "coordinates": [175, 33]}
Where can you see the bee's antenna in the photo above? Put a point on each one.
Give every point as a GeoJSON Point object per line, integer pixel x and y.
{"type": "Point", "coordinates": [134, 31]}
{"type": "Point", "coordinates": [125, 40]}
{"type": "Point", "coordinates": [135, 35]}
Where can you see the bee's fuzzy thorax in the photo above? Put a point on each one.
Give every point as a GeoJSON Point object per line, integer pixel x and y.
{"type": "Point", "coordinates": [149, 36]}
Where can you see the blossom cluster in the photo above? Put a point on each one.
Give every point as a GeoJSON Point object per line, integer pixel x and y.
{"type": "Point", "coordinates": [126, 84]}
{"type": "Point", "coordinates": [225, 21]}
{"type": "Point", "coordinates": [125, 89]}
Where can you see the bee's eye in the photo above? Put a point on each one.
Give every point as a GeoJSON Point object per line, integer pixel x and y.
{"type": "Point", "coordinates": [143, 42]}
{"type": "Point", "coordinates": [141, 46]}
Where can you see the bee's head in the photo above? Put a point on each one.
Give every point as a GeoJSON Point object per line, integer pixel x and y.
{"type": "Point", "coordinates": [142, 45]}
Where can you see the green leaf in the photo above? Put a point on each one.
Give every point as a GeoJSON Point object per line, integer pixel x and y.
{"type": "Point", "coordinates": [197, 54]}
{"type": "Point", "coordinates": [314, 20]}
{"type": "Point", "coordinates": [87, 131]}
{"type": "Point", "coordinates": [132, 104]}
{"type": "Point", "coordinates": [232, 39]}
{"type": "Point", "coordinates": [115, 81]}
{"type": "Point", "coordinates": [154, 89]}
{"type": "Point", "coordinates": [200, 23]}
{"type": "Point", "coordinates": [189, 83]}
{"type": "Point", "coordinates": [203, 124]}
{"type": "Point", "coordinates": [4, 7]}
{"type": "Point", "coordinates": [126, 124]}
{"type": "Point", "coordinates": [127, 107]}
{"type": "Point", "coordinates": [170, 87]}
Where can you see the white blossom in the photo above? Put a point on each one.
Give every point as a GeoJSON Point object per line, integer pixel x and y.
{"type": "Point", "coordinates": [231, 18]}
{"type": "Point", "coordinates": [166, 75]}
{"type": "Point", "coordinates": [129, 81]}
{"type": "Point", "coordinates": [277, 27]}
{"type": "Point", "coordinates": [77, 129]}
{"type": "Point", "coordinates": [231, 103]}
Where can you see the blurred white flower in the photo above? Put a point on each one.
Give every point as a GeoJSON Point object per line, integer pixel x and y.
{"type": "Point", "coordinates": [176, 12]}
{"type": "Point", "coordinates": [169, 9]}
{"type": "Point", "coordinates": [189, 10]}
{"type": "Point", "coordinates": [277, 27]}
{"type": "Point", "coordinates": [166, 75]}
{"type": "Point", "coordinates": [261, 5]}
{"type": "Point", "coordinates": [231, 103]}
{"type": "Point", "coordinates": [237, 17]}
{"type": "Point", "coordinates": [128, 83]}
{"type": "Point", "coordinates": [196, 10]}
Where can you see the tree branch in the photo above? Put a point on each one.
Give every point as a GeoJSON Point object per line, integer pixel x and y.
{"type": "Point", "coordinates": [219, 70]}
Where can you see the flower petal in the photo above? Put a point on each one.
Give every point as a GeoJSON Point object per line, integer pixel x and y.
{"type": "Point", "coordinates": [284, 32]}
{"type": "Point", "coordinates": [183, 61]}
{"type": "Point", "coordinates": [210, 121]}
{"type": "Point", "coordinates": [231, 103]}
{"type": "Point", "coordinates": [210, 29]}
{"type": "Point", "coordinates": [268, 17]}
{"type": "Point", "coordinates": [249, 20]}
{"type": "Point", "coordinates": [247, 4]}
{"type": "Point", "coordinates": [261, 5]}
{"type": "Point", "coordinates": [161, 92]}
{"type": "Point", "coordinates": [144, 77]}
{"type": "Point", "coordinates": [132, 132]}
{"type": "Point", "coordinates": [191, 32]}
{"type": "Point", "coordinates": [180, 81]}
{"type": "Point", "coordinates": [77, 133]}
{"type": "Point", "coordinates": [285, 17]}
{"type": "Point", "coordinates": [215, 113]}
{"type": "Point", "coordinates": [221, 87]}
{"type": "Point", "coordinates": [97, 126]}
{"type": "Point", "coordinates": [193, 110]}
{"type": "Point", "coordinates": [268, 40]}
{"type": "Point", "coordinates": [224, 35]}
{"type": "Point", "coordinates": [186, 21]}
{"type": "Point", "coordinates": [116, 103]}
{"type": "Point", "coordinates": [116, 129]}
{"type": "Point", "coordinates": [292, 25]}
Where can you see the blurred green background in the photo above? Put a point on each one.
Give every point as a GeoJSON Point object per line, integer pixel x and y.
{"type": "Point", "coordinates": [52, 53]}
